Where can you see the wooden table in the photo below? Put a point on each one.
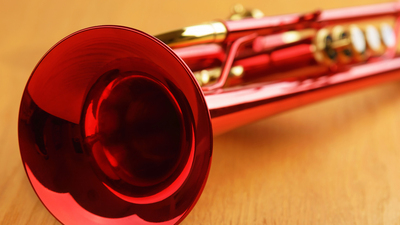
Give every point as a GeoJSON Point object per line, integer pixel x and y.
{"type": "Point", "coordinates": [334, 162]}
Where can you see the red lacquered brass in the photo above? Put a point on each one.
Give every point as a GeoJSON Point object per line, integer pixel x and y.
{"type": "Point", "coordinates": [114, 128]}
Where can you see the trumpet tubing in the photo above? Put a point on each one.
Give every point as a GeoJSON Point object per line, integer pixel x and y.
{"type": "Point", "coordinates": [116, 127]}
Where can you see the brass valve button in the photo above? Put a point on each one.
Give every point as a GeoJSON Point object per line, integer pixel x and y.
{"type": "Point", "coordinates": [324, 53]}
{"type": "Point", "coordinates": [358, 43]}
{"type": "Point", "coordinates": [332, 54]}
{"type": "Point", "coordinates": [388, 35]}
{"type": "Point", "coordinates": [341, 42]}
{"type": "Point", "coordinates": [373, 37]}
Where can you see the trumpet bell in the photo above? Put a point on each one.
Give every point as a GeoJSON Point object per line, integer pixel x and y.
{"type": "Point", "coordinates": [114, 129]}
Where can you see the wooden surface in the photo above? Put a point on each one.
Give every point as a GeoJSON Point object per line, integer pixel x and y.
{"type": "Point", "coordinates": [334, 162]}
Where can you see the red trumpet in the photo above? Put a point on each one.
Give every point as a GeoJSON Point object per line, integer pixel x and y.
{"type": "Point", "coordinates": [116, 126]}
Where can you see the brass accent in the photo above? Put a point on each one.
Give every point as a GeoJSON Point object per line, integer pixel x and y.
{"type": "Point", "coordinates": [269, 42]}
{"type": "Point", "coordinates": [208, 76]}
{"type": "Point", "coordinates": [236, 71]}
{"type": "Point", "coordinates": [240, 12]}
{"type": "Point", "coordinates": [213, 32]}
{"type": "Point", "coordinates": [341, 43]}
{"type": "Point", "coordinates": [322, 48]}
{"type": "Point", "coordinates": [294, 36]}
{"type": "Point", "coordinates": [340, 37]}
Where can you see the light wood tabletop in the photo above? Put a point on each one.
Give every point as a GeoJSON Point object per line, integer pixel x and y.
{"type": "Point", "coordinates": [333, 162]}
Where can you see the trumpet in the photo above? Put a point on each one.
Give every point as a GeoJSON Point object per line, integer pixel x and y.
{"type": "Point", "coordinates": [116, 125]}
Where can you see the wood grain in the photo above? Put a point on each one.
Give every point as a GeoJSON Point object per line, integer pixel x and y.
{"type": "Point", "coordinates": [334, 162]}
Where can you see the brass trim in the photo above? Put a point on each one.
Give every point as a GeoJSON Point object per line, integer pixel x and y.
{"type": "Point", "coordinates": [322, 48]}
{"type": "Point", "coordinates": [239, 12]}
{"type": "Point", "coordinates": [213, 32]}
{"type": "Point", "coordinates": [341, 43]}
{"type": "Point", "coordinates": [297, 35]}
{"type": "Point", "coordinates": [208, 76]}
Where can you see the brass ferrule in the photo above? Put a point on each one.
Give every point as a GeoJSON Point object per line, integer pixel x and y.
{"type": "Point", "coordinates": [213, 32]}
